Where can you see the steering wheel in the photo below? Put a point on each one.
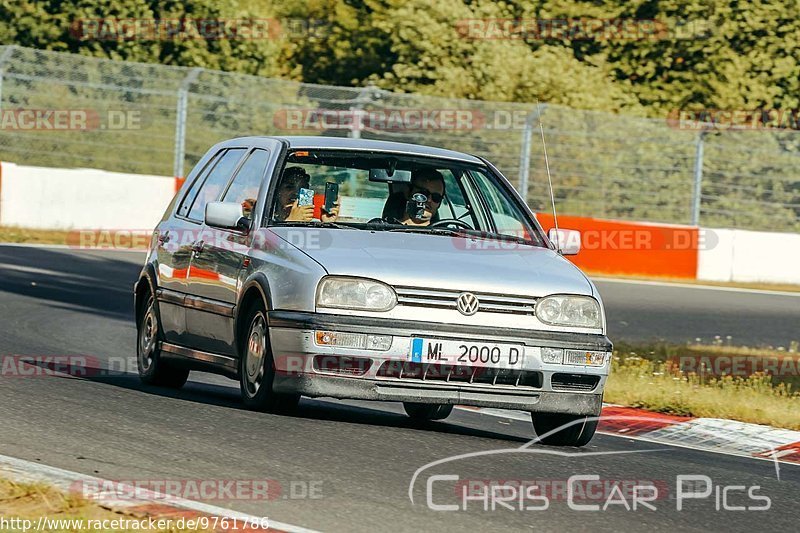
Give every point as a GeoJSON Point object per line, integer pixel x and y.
{"type": "Point", "coordinates": [448, 222]}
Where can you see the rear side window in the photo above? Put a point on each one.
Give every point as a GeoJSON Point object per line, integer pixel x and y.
{"type": "Point", "coordinates": [183, 209]}
{"type": "Point", "coordinates": [214, 183]}
{"type": "Point", "coordinates": [244, 188]}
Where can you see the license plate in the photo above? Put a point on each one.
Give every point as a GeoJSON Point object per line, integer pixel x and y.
{"type": "Point", "coordinates": [459, 353]}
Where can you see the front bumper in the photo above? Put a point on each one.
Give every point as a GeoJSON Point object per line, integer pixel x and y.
{"type": "Point", "coordinates": [292, 336]}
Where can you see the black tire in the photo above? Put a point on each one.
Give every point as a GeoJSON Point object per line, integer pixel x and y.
{"type": "Point", "coordinates": [257, 367]}
{"type": "Point", "coordinates": [427, 411]}
{"type": "Point", "coordinates": [153, 370]}
{"type": "Point", "coordinates": [579, 429]}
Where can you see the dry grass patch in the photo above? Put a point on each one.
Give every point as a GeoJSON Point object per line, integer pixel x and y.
{"type": "Point", "coordinates": [653, 377]}
{"type": "Point", "coordinates": [34, 500]}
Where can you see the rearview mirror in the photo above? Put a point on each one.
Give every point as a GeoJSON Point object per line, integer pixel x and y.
{"type": "Point", "coordinates": [568, 239]}
{"type": "Point", "coordinates": [227, 215]}
{"type": "Point", "coordinates": [382, 175]}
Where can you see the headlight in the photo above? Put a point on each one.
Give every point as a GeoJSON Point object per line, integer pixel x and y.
{"type": "Point", "coordinates": [581, 311]}
{"type": "Point", "coordinates": [355, 293]}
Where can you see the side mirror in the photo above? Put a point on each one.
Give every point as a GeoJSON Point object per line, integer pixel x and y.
{"type": "Point", "coordinates": [227, 215]}
{"type": "Point", "coordinates": [568, 239]}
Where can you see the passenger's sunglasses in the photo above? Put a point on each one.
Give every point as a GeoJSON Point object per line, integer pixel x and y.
{"type": "Point", "coordinates": [434, 196]}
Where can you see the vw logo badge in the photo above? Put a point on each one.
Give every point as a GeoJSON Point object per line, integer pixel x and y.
{"type": "Point", "coordinates": [467, 303]}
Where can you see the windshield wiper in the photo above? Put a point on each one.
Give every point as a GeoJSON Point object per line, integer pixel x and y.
{"type": "Point", "coordinates": [503, 237]}
{"type": "Point", "coordinates": [425, 229]}
{"type": "Point", "coordinates": [313, 224]}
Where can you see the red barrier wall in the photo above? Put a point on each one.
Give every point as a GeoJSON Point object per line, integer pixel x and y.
{"type": "Point", "coordinates": [632, 248]}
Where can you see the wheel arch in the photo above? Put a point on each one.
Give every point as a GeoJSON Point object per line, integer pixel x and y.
{"type": "Point", "coordinates": [146, 281]}
{"type": "Point", "coordinates": [255, 288]}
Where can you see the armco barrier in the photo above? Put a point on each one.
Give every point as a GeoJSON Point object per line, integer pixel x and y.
{"type": "Point", "coordinates": [630, 248]}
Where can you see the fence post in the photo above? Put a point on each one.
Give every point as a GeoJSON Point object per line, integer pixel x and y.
{"type": "Point", "coordinates": [698, 178]}
{"type": "Point", "coordinates": [180, 121]}
{"type": "Point", "coordinates": [7, 51]}
{"type": "Point", "coordinates": [525, 150]}
{"type": "Point", "coordinates": [357, 110]}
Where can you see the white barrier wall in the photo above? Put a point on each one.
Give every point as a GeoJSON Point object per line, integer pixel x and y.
{"type": "Point", "coordinates": [751, 256]}
{"type": "Point", "coordinates": [55, 198]}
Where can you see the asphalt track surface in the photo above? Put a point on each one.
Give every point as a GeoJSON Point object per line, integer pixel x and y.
{"type": "Point", "coordinates": [357, 458]}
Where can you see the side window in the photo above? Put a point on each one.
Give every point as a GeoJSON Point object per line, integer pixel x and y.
{"type": "Point", "coordinates": [215, 182]}
{"type": "Point", "coordinates": [508, 218]}
{"type": "Point", "coordinates": [183, 209]}
{"type": "Point", "coordinates": [454, 205]}
{"type": "Point", "coordinates": [244, 188]}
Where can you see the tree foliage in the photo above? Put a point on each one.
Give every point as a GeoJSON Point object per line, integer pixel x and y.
{"type": "Point", "coordinates": [707, 54]}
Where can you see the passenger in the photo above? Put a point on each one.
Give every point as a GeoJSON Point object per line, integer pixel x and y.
{"type": "Point", "coordinates": [286, 208]}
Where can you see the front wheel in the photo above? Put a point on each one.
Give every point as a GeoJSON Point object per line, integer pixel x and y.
{"type": "Point", "coordinates": [569, 430]}
{"type": "Point", "coordinates": [257, 368]}
{"type": "Point", "coordinates": [427, 411]}
{"type": "Point", "coordinates": [153, 370]}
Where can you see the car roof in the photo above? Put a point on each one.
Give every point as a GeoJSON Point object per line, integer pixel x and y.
{"type": "Point", "coordinates": [346, 143]}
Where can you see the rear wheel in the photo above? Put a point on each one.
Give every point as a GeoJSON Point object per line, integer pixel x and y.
{"type": "Point", "coordinates": [153, 370]}
{"type": "Point", "coordinates": [570, 430]}
{"type": "Point", "coordinates": [257, 367]}
{"type": "Point", "coordinates": [427, 411]}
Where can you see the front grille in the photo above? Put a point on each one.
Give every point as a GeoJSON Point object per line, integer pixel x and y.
{"type": "Point", "coordinates": [446, 299]}
{"type": "Point", "coordinates": [407, 370]}
{"type": "Point", "coordinates": [574, 382]}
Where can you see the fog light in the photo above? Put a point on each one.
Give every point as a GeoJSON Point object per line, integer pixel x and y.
{"type": "Point", "coordinates": [552, 355]}
{"type": "Point", "coordinates": [360, 341]}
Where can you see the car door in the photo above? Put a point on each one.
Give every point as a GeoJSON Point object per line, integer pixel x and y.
{"type": "Point", "coordinates": [217, 261]}
{"type": "Point", "coordinates": [175, 236]}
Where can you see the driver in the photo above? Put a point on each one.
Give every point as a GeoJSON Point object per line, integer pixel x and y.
{"type": "Point", "coordinates": [430, 183]}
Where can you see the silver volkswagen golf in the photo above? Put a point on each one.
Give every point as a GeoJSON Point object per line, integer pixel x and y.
{"type": "Point", "coordinates": [317, 266]}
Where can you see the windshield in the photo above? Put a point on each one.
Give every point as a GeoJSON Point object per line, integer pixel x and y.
{"type": "Point", "coordinates": [361, 189]}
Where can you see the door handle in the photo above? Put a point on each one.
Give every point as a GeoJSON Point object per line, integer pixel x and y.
{"type": "Point", "coordinates": [164, 238]}
{"type": "Point", "coordinates": [197, 247]}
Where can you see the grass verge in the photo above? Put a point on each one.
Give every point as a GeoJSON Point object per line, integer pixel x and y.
{"type": "Point", "coordinates": [17, 235]}
{"type": "Point", "coordinates": [64, 512]}
{"type": "Point", "coordinates": [750, 385]}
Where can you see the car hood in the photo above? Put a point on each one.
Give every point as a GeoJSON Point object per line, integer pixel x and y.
{"type": "Point", "coordinates": [435, 261]}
